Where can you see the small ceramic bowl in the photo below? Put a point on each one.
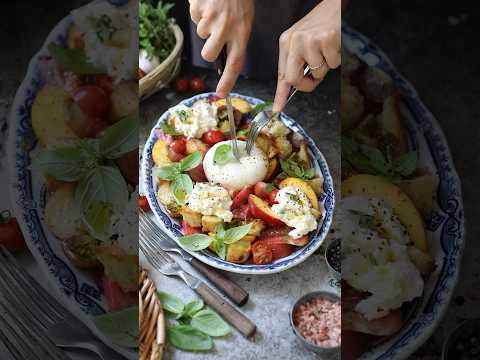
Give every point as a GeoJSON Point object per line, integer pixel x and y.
{"type": "Point", "coordinates": [309, 296]}
{"type": "Point", "coordinates": [333, 249]}
{"type": "Point", "coordinates": [463, 342]}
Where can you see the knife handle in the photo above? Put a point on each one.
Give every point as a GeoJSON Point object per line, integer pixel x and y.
{"type": "Point", "coordinates": [233, 291]}
{"type": "Point", "coordinates": [243, 324]}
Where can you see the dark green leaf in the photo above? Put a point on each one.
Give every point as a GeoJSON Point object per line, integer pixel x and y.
{"type": "Point", "coordinates": [186, 337]}
{"type": "Point", "coordinates": [169, 129]}
{"type": "Point", "coordinates": [193, 307]}
{"type": "Point", "coordinates": [195, 242]}
{"type": "Point", "coordinates": [191, 161]}
{"type": "Point", "coordinates": [171, 303]}
{"type": "Point", "coordinates": [266, 106]}
{"type": "Point", "coordinates": [223, 154]}
{"type": "Point", "coordinates": [309, 174]}
{"type": "Point", "coordinates": [269, 188]}
{"type": "Point", "coordinates": [210, 323]}
{"type": "Point", "coordinates": [234, 234]}
{"type": "Point", "coordinates": [219, 231]}
{"type": "Point", "coordinates": [73, 60]}
{"type": "Point", "coordinates": [181, 187]}
{"type": "Point", "coordinates": [166, 172]}
{"type": "Point", "coordinates": [120, 138]}
{"type": "Point", "coordinates": [120, 327]}
{"type": "Point", "coordinates": [98, 218]}
{"type": "Point", "coordinates": [406, 164]}
{"type": "Point", "coordinates": [69, 164]}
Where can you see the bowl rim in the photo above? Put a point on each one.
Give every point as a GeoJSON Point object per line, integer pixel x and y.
{"type": "Point", "coordinates": [329, 295]}
{"type": "Point", "coordinates": [172, 228]}
{"type": "Point", "coordinates": [327, 248]}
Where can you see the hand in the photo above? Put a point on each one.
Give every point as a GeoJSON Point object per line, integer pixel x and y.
{"type": "Point", "coordinates": [312, 41]}
{"type": "Point", "coordinates": [224, 23]}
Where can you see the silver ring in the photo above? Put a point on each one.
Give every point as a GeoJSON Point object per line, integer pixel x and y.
{"type": "Point", "coordinates": [313, 68]}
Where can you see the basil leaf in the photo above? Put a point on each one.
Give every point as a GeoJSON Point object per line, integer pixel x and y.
{"type": "Point", "coordinates": [166, 172]}
{"type": "Point", "coordinates": [69, 164]}
{"type": "Point", "coordinates": [266, 106]}
{"type": "Point", "coordinates": [223, 154]}
{"type": "Point", "coordinates": [406, 164]}
{"type": "Point", "coordinates": [186, 337]}
{"type": "Point", "coordinates": [73, 60]}
{"type": "Point", "coordinates": [376, 159]}
{"type": "Point", "coordinates": [120, 138]}
{"type": "Point", "coordinates": [191, 161]}
{"type": "Point", "coordinates": [169, 129]}
{"type": "Point", "coordinates": [170, 303]}
{"type": "Point", "coordinates": [291, 168]}
{"type": "Point", "coordinates": [220, 248]}
{"type": "Point", "coordinates": [193, 307]}
{"type": "Point", "coordinates": [210, 323]}
{"type": "Point", "coordinates": [195, 242]}
{"type": "Point", "coordinates": [219, 231]}
{"type": "Point", "coordinates": [105, 184]}
{"type": "Point", "coordinates": [309, 174]}
{"type": "Point", "coordinates": [98, 219]}
{"type": "Point", "coordinates": [120, 327]}
{"type": "Point", "coordinates": [181, 187]}
{"type": "Point", "coordinates": [269, 188]}
{"type": "Point", "coordinates": [234, 234]}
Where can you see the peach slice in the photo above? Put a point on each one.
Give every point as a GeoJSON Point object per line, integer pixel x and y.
{"type": "Point", "coordinates": [259, 209]}
{"type": "Point", "coordinates": [302, 185]}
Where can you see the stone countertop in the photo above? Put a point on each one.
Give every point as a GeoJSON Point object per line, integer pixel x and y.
{"type": "Point", "coordinates": [271, 296]}
{"type": "Point", "coordinates": [433, 46]}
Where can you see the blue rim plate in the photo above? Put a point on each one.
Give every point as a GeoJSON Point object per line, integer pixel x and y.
{"type": "Point", "coordinates": [174, 228]}
{"type": "Point", "coordinates": [79, 291]}
{"type": "Point", "coordinates": [445, 228]}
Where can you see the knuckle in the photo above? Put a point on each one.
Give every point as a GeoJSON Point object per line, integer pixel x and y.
{"type": "Point", "coordinates": [284, 38]}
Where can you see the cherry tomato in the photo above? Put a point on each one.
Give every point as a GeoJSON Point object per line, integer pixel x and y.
{"type": "Point", "coordinates": [198, 174]}
{"type": "Point", "coordinates": [105, 82]}
{"type": "Point", "coordinates": [10, 234]}
{"type": "Point", "coordinates": [211, 137]}
{"type": "Point", "coordinates": [95, 128]}
{"type": "Point", "coordinates": [279, 247]}
{"type": "Point", "coordinates": [179, 146]}
{"type": "Point", "coordinates": [262, 253]}
{"type": "Point", "coordinates": [92, 99]}
{"type": "Point", "coordinates": [189, 230]}
{"type": "Point", "coordinates": [197, 85]}
{"type": "Point", "coordinates": [182, 85]}
{"type": "Point", "coordinates": [272, 196]}
{"type": "Point", "coordinates": [174, 156]}
{"type": "Point", "coordinates": [241, 197]}
{"type": "Point", "coordinates": [141, 73]}
{"type": "Point", "coordinates": [143, 203]}
{"type": "Point", "coordinates": [265, 191]}
{"type": "Point", "coordinates": [242, 212]}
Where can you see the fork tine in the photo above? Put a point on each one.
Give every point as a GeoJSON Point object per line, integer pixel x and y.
{"type": "Point", "coordinates": [149, 251]}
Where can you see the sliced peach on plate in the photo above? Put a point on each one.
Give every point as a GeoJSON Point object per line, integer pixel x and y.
{"type": "Point", "coordinates": [160, 153]}
{"type": "Point", "coordinates": [259, 209]}
{"type": "Point", "coordinates": [302, 185]}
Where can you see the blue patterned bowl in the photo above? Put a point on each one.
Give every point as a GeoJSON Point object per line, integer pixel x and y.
{"type": "Point", "coordinates": [173, 227]}
{"type": "Point", "coordinates": [445, 228]}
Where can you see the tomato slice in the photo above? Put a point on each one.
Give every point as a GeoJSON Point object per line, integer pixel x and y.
{"type": "Point", "coordinates": [143, 203]}
{"type": "Point", "coordinates": [10, 234]}
{"type": "Point", "coordinates": [241, 197]}
{"type": "Point", "coordinates": [279, 247]}
{"type": "Point", "coordinates": [118, 299]}
{"type": "Point", "coordinates": [242, 212]}
{"type": "Point", "coordinates": [179, 145]}
{"type": "Point", "coordinates": [211, 137]}
{"type": "Point", "coordinates": [105, 82]}
{"type": "Point", "coordinates": [266, 192]}
{"type": "Point", "coordinates": [262, 253]}
{"type": "Point", "coordinates": [93, 100]}
{"type": "Point", "coordinates": [189, 230]}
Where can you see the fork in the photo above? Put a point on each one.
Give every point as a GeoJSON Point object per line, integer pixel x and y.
{"type": "Point", "coordinates": [161, 240]}
{"type": "Point", "coordinates": [163, 263]}
{"type": "Point", "coordinates": [43, 311]}
{"type": "Point", "coordinates": [264, 117]}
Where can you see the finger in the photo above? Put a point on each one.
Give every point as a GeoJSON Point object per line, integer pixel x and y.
{"type": "Point", "coordinates": [316, 61]}
{"type": "Point", "coordinates": [195, 12]}
{"type": "Point", "coordinates": [331, 49]}
{"type": "Point", "coordinates": [203, 28]}
{"type": "Point", "coordinates": [294, 68]}
{"type": "Point", "coordinates": [281, 95]}
{"type": "Point", "coordinates": [233, 67]}
{"type": "Point", "coordinates": [213, 46]}
{"type": "Point", "coordinates": [283, 46]}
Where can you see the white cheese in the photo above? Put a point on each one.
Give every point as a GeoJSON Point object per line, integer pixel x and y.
{"type": "Point", "coordinates": [209, 199]}
{"type": "Point", "coordinates": [295, 210]}
{"type": "Point", "coordinates": [194, 121]}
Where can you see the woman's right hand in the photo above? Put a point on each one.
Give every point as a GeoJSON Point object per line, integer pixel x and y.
{"type": "Point", "coordinates": [224, 22]}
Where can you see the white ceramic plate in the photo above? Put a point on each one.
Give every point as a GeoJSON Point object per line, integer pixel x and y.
{"type": "Point", "coordinates": [445, 229]}
{"type": "Point", "coordinates": [174, 228]}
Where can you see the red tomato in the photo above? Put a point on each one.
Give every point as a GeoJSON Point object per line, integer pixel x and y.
{"type": "Point", "coordinates": [261, 190]}
{"type": "Point", "coordinates": [182, 85]}
{"type": "Point", "coordinates": [281, 230]}
{"type": "Point", "coordinates": [197, 85]}
{"type": "Point", "coordinates": [262, 253]}
{"type": "Point", "coordinates": [279, 248]}
{"type": "Point", "coordinates": [211, 137]}
{"type": "Point", "coordinates": [10, 234]}
{"type": "Point", "coordinates": [141, 73]}
{"type": "Point", "coordinates": [189, 230]}
{"type": "Point", "coordinates": [143, 203]}
{"type": "Point", "coordinates": [241, 197]}
{"type": "Point", "coordinates": [92, 99]}
{"type": "Point", "coordinates": [105, 82]}
{"type": "Point", "coordinates": [118, 299]}
{"type": "Point", "coordinates": [198, 174]}
{"type": "Point", "coordinates": [174, 156]}
{"type": "Point", "coordinates": [242, 212]}
{"type": "Point", "coordinates": [95, 128]}
{"type": "Point", "coordinates": [179, 146]}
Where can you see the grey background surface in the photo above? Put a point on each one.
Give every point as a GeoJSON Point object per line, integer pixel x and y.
{"type": "Point", "coordinates": [434, 45]}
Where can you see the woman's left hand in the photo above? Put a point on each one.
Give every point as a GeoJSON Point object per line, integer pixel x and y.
{"type": "Point", "coordinates": [315, 41]}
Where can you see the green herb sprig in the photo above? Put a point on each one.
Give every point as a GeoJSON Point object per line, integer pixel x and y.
{"type": "Point", "coordinates": [181, 184]}
{"type": "Point", "coordinates": [101, 187]}
{"type": "Point", "coordinates": [292, 168]}
{"type": "Point", "coordinates": [74, 60]}
{"type": "Point", "coordinates": [223, 154]}
{"type": "Point", "coordinates": [121, 327]}
{"type": "Point", "coordinates": [155, 35]}
{"type": "Point", "coordinates": [222, 237]}
{"type": "Point", "coordinates": [196, 323]}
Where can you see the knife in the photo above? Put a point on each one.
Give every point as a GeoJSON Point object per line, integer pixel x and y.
{"type": "Point", "coordinates": [232, 290]}
{"type": "Point", "coordinates": [221, 63]}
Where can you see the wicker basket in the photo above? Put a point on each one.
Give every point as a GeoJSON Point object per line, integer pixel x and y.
{"type": "Point", "coordinates": [151, 322]}
{"type": "Point", "coordinates": [159, 77]}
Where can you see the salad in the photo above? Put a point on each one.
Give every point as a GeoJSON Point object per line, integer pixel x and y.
{"type": "Point", "coordinates": [386, 199]}
{"type": "Point", "coordinates": [85, 118]}
{"type": "Point", "coordinates": [258, 209]}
